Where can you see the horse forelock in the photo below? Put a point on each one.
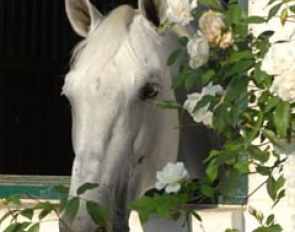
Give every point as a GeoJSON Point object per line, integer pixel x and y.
{"type": "Point", "coordinates": [105, 39]}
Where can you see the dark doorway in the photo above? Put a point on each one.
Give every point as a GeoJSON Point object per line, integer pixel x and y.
{"type": "Point", "coordinates": [35, 123]}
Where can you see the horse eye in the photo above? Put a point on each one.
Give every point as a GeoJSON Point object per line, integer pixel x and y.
{"type": "Point", "coordinates": [149, 91]}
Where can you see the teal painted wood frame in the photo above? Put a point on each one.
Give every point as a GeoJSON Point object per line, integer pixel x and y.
{"type": "Point", "coordinates": [42, 186]}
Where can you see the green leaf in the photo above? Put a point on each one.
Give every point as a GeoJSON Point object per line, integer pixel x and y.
{"type": "Point", "coordinates": [98, 214]}
{"type": "Point", "coordinates": [271, 188]}
{"type": "Point", "coordinates": [272, 137]}
{"type": "Point", "coordinates": [206, 100]}
{"type": "Point", "coordinates": [274, 186]}
{"type": "Point", "coordinates": [270, 220]}
{"type": "Point", "coordinates": [17, 227]}
{"type": "Point", "coordinates": [183, 40]}
{"type": "Point", "coordinates": [207, 76]}
{"type": "Point", "coordinates": [282, 117]}
{"type": "Point", "coordinates": [207, 190]}
{"type": "Point", "coordinates": [212, 170]}
{"type": "Point", "coordinates": [145, 207]}
{"type": "Point", "coordinates": [257, 154]}
{"type": "Point", "coordinates": [85, 187]}
{"type": "Point", "coordinates": [274, 10]}
{"type": "Point", "coordinates": [243, 166]}
{"type": "Point", "coordinates": [27, 213]}
{"type": "Point", "coordinates": [240, 55]}
{"type": "Point", "coordinates": [284, 16]}
{"type": "Point", "coordinates": [271, 103]}
{"type": "Point", "coordinates": [271, 2]}
{"type": "Point", "coordinates": [265, 35]}
{"type": "Point", "coordinates": [196, 216]}
{"type": "Point", "coordinates": [221, 119]}
{"type": "Point", "coordinates": [262, 170]}
{"type": "Point", "coordinates": [183, 73]}
{"type": "Point", "coordinates": [273, 228]}
{"type": "Point", "coordinates": [261, 79]}
{"type": "Point", "coordinates": [13, 227]}
{"type": "Point", "coordinates": [163, 205]}
{"type": "Point", "coordinates": [62, 204]}
{"type": "Point", "coordinates": [190, 81]}
{"type": "Point", "coordinates": [292, 8]}
{"type": "Point", "coordinates": [255, 20]}
{"type": "Point", "coordinates": [14, 199]}
{"type": "Point", "coordinates": [235, 89]}
{"type": "Point", "coordinates": [169, 105]}
{"type": "Point", "coordinates": [211, 3]}
{"type": "Point", "coordinates": [235, 14]}
{"type": "Point", "coordinates": [45, 206]}
{"type": "Point", "coordinates": [257, 214]}
{"type": "Point", "coordinates": [166, 204]}
{"type": "Point", "coordinates": [239, 67]}
{"type": "Point", "coordinates": [71, 208]}
{"type": "Point", "coordinates": [256, 130]}
{"type": "Point", "coordinates": [44, 213]}
{"type": "Point", "coordinates": [280, 196]}
{"type": "Point", "coordinates": [34, 228]}
{"type": "Point", "coordinates": [230, 183]}
{"type": "Point", "coordinates": [173, 56]}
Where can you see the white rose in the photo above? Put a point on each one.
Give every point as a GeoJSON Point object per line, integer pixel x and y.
{"type": "Point", "coordinates": [227, 40]}
{"type": "Point", "coordinates": [211, 25]}
{"type": "Point", "coordinates": [212, 90]}
{"type": "Point", "coordinates": [279, 58]}
{"type": "Point", "coordinates": [198, 50]}
{"type": "Point", "coordinates": [171, 177]}
{"type": "Point", "coordinates": [202, 115]}
{"type": "Point", "coordinates": [179, 11]}
{"type": "Point", "coordinates": [284, 86]}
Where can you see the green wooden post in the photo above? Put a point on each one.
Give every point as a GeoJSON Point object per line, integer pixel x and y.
{"type": "Point", "coordinates": [243, 188]}
{"type": "Point", "coordinates": [243, 4]}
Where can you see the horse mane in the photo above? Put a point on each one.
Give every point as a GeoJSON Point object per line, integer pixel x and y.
{"type": "Point", "coordinates": [104, 41]}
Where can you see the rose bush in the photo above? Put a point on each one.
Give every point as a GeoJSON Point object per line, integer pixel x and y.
{"type": "Point", "coordinates": [247, 98]}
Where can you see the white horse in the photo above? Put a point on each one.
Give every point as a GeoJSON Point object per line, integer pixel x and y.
{"type": "Point", "coordinates": [118, 75]}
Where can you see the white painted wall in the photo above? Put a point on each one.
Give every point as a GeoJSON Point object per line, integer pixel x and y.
{"type": "Point", "coordinates": [284, 211]}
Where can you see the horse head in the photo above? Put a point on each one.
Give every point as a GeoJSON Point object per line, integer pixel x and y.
{"type": "Point", "coordinates": [117, 77]}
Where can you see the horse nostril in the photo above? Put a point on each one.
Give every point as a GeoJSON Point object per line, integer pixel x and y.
{"type": "Point", "coordinates": [140, 160]}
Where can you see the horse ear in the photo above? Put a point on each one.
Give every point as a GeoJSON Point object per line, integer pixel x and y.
{"type": "Point", "coordinates": [83, 16]}
{"type": "Point", "coordinates": [153, 10]}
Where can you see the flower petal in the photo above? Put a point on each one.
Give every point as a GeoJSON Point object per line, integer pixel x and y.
{"type": "Point", "coordinates": [173, 188]}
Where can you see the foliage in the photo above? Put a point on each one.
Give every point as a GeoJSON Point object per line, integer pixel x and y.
{"type": "Point", "coordinates": [251, 120]}
{"type": "Point", "coordinates": [267, 224]}
{"type": "Point", "coordinates": [24, 218]}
